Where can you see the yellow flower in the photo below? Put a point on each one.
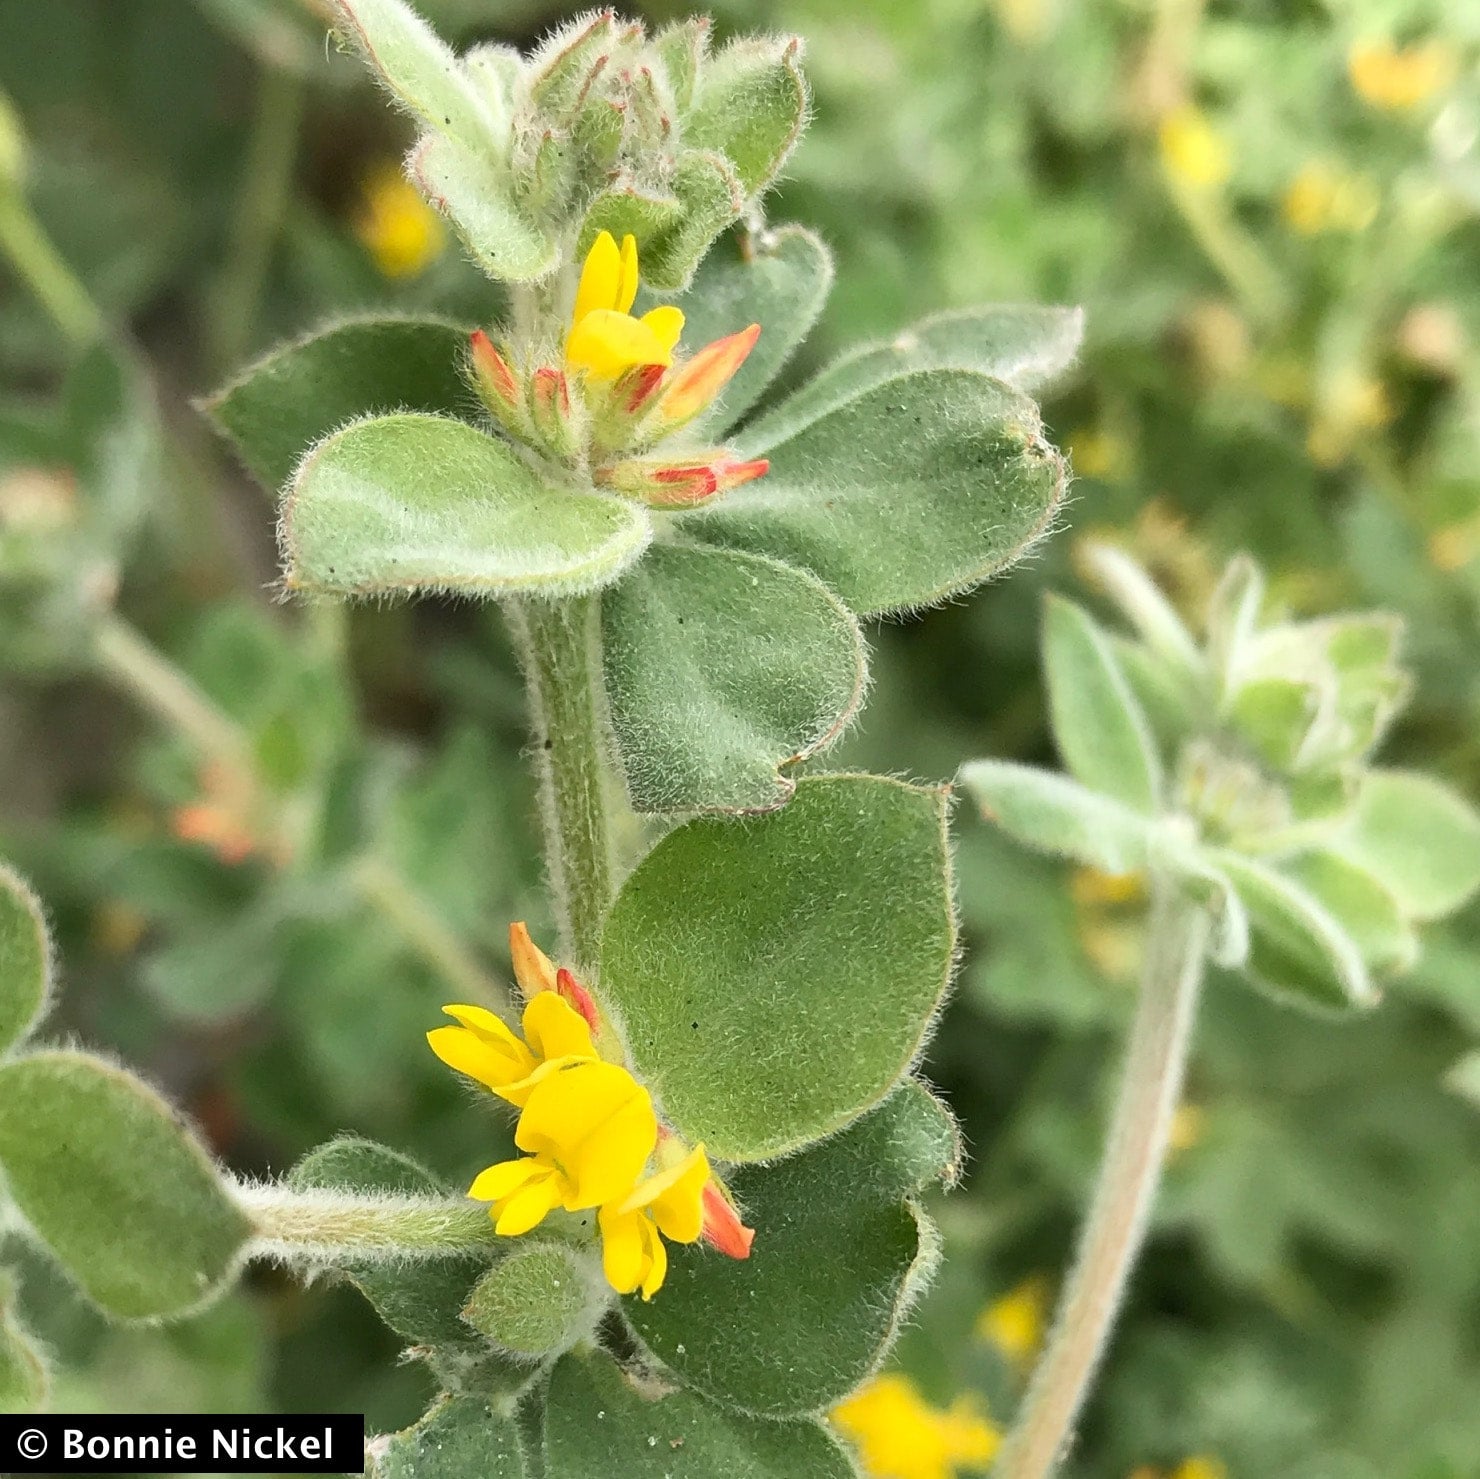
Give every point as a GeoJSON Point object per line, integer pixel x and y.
{"type": "Point", "coordinates": [605, 340]}
{"type": "Point", "coordinates": [1192, 151]}
{"type": "Point", "coordinates": [1015, 1323]}
{"type": "Point", "coordinates": [487, 1051]}
{"type": "Point", "coordinates": [1399, 78]}
{"type": "Point", "coordinates": [671, 1203]}
{"type": "Point", "coordinates": [396, 226]}
{"type": "Point", "coordinates": [589, 1128]}
{"type": "Point", "coordinates": [1203, 1466]}
{"type": "Point", "coordinates": [1323, 198]}
{"type": "Point", "coordinates": [1096, 453]}
{"type": "Point", "coordinates": [1189, 1125]}
{"type": "Point", "coordinates": [898, 1435]}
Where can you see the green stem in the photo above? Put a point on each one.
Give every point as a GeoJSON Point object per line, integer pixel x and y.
{"type": "Point", "coordinates": [328, 1226]}
{"type": "Point", "coordinates": [38, 265]}
{"type": "Point", "coordinates": [559, 645]}
{"type": "Point", "coordinates": [151, 678]}
{"type": "Point", "coordinates": [262, 202]}
{"type": "Point", "coordinates": [1135, 1150]}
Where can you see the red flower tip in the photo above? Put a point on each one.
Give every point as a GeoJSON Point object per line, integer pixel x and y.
{"type": "Point", "coordinates": [723, 1229]}
{"type": "Point", "coordinates": [495, 379]}
{"type": "Point", "coordinates": [575, 995]}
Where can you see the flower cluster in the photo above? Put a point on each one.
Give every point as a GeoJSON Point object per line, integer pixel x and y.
{"type": "Point", "coordinates": [618, 391]}
{"type": "Point", "coordinates": [590, 1133]}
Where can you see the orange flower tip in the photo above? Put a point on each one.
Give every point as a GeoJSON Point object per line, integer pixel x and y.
{"type": "Point", "coordinates": [575, 995]}
{"type": "Point", "coordinates": [635, 389]}
{"type": "Point", "coordinates": [732, 474]}
{"type": "Point", "coordinates": [533, 969]}
{"type": "Point", "coordinates": [723, 1229]}
{"type": "Point", "coordinates": [494, 375]}
{"type": "Point", "coordinates": [552, 391]}
{"type": "Point", "coordinates": [700, 381]}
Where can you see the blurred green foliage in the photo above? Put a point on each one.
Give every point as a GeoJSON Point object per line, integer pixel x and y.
{"type": "Point", "coordinates": [1269, 213]}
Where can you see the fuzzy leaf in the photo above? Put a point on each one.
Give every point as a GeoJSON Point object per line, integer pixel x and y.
{"type": "Point", "coordinates": [459, 1438]}
{"type": "Point", "coordinates": [600, 1423]}
{"type": "Point", "coordinates": [25, 1379]}
{"type": "Point", "coordinates": [778, 279]}
{"type": "Point", "coordinates": [1418, 838]}
{"type": "Point", "coordinates": [721, 670]}
{"type": "Point", "coordinates": [1050, 812]}
{"type": "Point", "coordinates": [838, 1256]}
{"type": "Point", "coordinates": [115, 1185]}
{"type": "Point", "coordinates": [1361, 905]}
{"type": "Point", "coordinates": [421, 1301]}
{"type": "Point", "coordinates": [423, 503]}
{"type": "Point", "coordinates": [710, 197]}
{"type": "Point", "coordinates": [1024, 345]}
{"type": "Point", "coordinates": [914, 491]}
{"type": "Point", "coordinates": [1142, 603]}
{"type": "Point", "coordinates": [777, 976]}
{"type": "Point", "coordinates": [1099, 727]}
{"type": "Point", "coordinates": [537, 1301]}
{"type": "Point", "coordinates": [279, 407]}
{"type": "Point", "coordinates": [25, 960]}
{"type": "Point", "coordinates": [1298, 950]}
{"type": "Point", "coordinates": [473, 194]}
{"type": "Point", "coordinates": [416, 66]}
{"type": "Point", "coordinates": [750, 104]}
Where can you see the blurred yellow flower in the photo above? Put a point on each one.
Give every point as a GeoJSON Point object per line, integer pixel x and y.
{"type": "Point", "coordinates": [1202, 1466]}
{"type": "Point", "coordinates": [1016, 1322]}
{"type": "Point", "coordinates": [1454, 546]}
{"type": "Point", "coordinates": [1398, 78]}
{"type": "Point", "coordinates": [1325, 198]}
{"type": "Point", "coordinates": [396, 226]}
{"type": "Point", "coordinates": [898, 1435]}
{"type": "Point", "coordinates": [1095, 453]}
{"type": "Point", "coordinates": [1192, 151]}
{"type": "Point", "coordinates": [1189, 1124]}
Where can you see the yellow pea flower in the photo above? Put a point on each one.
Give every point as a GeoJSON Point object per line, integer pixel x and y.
{"type": "Point", "coordinates": [397, 227]}
{"type": "Point", "coordinates": [671, 1203]}
{"type": "Point", "coordinates": [898, 1435]}
{"type": "Point", "coordinates": [1192, 151]}
{"type": "Point", "coordinates": [589, 1128]}
{"type": "Point", "coordinates": [1395, 78]}
{"type": "Point", "coordinates": [1016, 1322]}
{"type": "Point", "coordinates": [486, 1050]}
{"type": "Point", "coordinates": [605, 340]}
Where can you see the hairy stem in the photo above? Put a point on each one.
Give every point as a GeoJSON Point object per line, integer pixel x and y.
{"type": "Point", "coordinates": [559, 645]}
{"type": "Point", "coordinates": [1135, 1148]}
{"type": "Point", "coordinates": [48, 277]}
{"type": "Point", "coordinates": [327, 1226]}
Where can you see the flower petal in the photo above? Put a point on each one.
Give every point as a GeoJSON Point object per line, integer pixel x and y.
{"type": "Point", "coordinates": [622, 1247]}
{"type": "Point", "coordinates": [604, 343]}
{"type": "Point", "coordinates": [601, 278]}
{"type": "Point", "coordinates": [554, 1029]}
{"type": "Point", "coordinates": [533, 969]}
{"type": "Point", "coordinates": [657, 1260]}
{"type": "Point", "coordinates": [504, 1179]}
{"type": "Point", "coordinates": [598, 1123]}
{"type": "Point", "coordinates": [528, 1206]}
{"type": "Point", "coordinates": [666, 322]}
{"type": "Point", "coordinates": [470, 1053]}
{"type": "Point", "coordinates": [694, 386]}
{"type": "Point", "coordinates": [676, 1197]}
{"type": "Point", "coordinates": [627, 277]}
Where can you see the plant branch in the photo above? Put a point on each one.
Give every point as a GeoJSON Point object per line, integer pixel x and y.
{"type": "Point", "coordinates": [38, 265]}
{"type": "Point", "coordinates": [560, 648]}
{"type": "Point", "coordinates": [329, 1227]}
{"type": "Point", "coordinates": [1135, 1149]}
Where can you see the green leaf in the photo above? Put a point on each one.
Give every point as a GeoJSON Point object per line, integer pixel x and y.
{"type": "Point", "coordinates": [459, 1438]}
{"type": "Point", "coordinates": [1143, 604]}
{"type": "Point", "coordinates": [474, 195]}
{"type": "Point", "coordinates": [839, 1254]}
{"type": "Point", "coordinates": [1361, 906]}
{"type": "Point", "coordinates": [538, 1301]}
{"type": "Point", "coordinates": [777, 976]}
{"type": "Point", "coordinates": [1050, 812]}
{"type": "Point", "coordinates": [750, 104]}
{"type": "Point", "coordinates": [1099, 727]}
{"type": "Point", "coordinates": [1418, 838]}
{"type": "Point", "coordinates": [1298, 951]}
{"type": "Point", "coordinates": [417, 67]}
{"type": "Point", "coordinates": [25, 1378]}
{"type": "Point", "coordinates": [25, 960]}
{"type": "Point", "coordinates": [1464, 1078]}
{"type": "Point", "coordinates": [710, 197]}
{"type": "Point", "coordinates": [778, 279]}
{"type": "Point", "coordinates": [291, 398]}
{"type": "Point", "coordinates": [422, 1301]}
{"type": "Point", "coordinates": [423, 503]}
{"type": "Point", "coordinates": [115, 1185]}
{"type": "Point", "coordinates": [600, 1422]}
{"type": "Point", "coordinates": [1023, 345]}
{"type": "Point", "coordinates": [722, 669]}
{"type": "Point", "coordinates": [914, 491]}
